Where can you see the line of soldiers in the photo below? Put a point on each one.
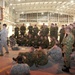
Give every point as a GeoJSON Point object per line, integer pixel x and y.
{"type": "Point", "coordinates": [44, 31]}
{"type": "Point", "coordinates": [34, 30]}
{"type": "Point", "coordinates": [34, 41]}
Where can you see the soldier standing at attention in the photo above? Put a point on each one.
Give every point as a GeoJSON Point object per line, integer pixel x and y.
{"type": "Point", "coordinates": [56, 31]}
{"type": "Point", "coordinates": [16, 31]}
{"type": "Point", "coordinates": [67, 47]}
{"type": "Point", "coordinates": [35, 30]}
{"type": "Point", "coordinates": [30, 28]}
{"type": "Point", "coordinates": [22, 29]}
{"type": "Point", "coordinates": [4, 35]}
{"type": "Point", "coordinates": [62, 32]}
{"type": "Point", "coordinates": [52, 30]}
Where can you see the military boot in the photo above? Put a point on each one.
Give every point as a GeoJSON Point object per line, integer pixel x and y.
{"type": "Point", "coordinates": [66, 69]}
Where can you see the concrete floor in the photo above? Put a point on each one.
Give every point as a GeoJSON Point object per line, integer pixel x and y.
{"type": "Point", "coordinates": [52, 68]}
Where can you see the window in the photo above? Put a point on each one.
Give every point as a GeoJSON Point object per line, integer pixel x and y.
{"type": "Point", "coordinates": [1, 13]}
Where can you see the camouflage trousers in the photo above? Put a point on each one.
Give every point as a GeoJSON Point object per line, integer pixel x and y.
{"type": "Point", "coordinates": [67, 59]}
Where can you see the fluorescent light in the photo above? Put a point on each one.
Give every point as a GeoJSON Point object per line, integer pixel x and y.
{"type": "Point", "coordinates": [57, 9]}
{"type": "Point", "coordinates": [11, 4]}
{"type": "Point", "coordinates": [54, 2]}
{"type": "Point", "coordinates": [72, 1]}
{"type": "Point", "coordinates": [19, 0]}
{"type": "Point", "coordinates": [63, 6]}
{"type": "Point", "coordinates": [22, 12]}
{"type": "Point", "coordinates": [36, 2]}
{"type": "Point", "coordinates": [42, 13]}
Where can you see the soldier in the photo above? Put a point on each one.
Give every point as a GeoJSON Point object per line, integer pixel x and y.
{"type": "Point", "coordinates": [19, 40]}
{"type": "Point", "coordinates": [27, 57]}
{"type": "Point", "coordinates": [52, 43]}
{"type": "Point", "coordinates": [52, 30]}
{"type": "Point", "coordinates": [46, 30]}
{"type": "Point", "coordinates": [41, 57]}
{"type": "Point", "coordinates": [12, 41]}
{"type": "Point", "coordinates": [73, 31]}
{"type": "Point", "coordinates": [29, 40]}
{"type": "Point", "coordinates": [35, 30]}
{"type": "Point", "coordinates": [67, 48]}
{"type": "Point", "coordinates": [16, 32]}
{"type": "Point", "coordinates": [42, 30]}
{"type": "Point", "coordinates": [55, 52]}
{"type": "Point", "coordinates": [45, 42]}
{"type": "Point", "coordinates": [20, 69]}
{"type": "Point", "coordinates": [56, 31]}
{"type": "Point", "coordinates": [30, 28]}
{"type": "Point", "coordinates": [22, 30]}
{"type": "Point", "coordinates": [35, 42]}
{"type": "Point", "coordinates": [40, 41]}
{"type": "Point", "coordinates": [62, 32]}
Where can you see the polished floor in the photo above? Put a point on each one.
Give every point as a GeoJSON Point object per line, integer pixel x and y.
{"type": "Point", "coordinates": [52, 68]}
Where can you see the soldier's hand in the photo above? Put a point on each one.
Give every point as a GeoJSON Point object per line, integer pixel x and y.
{"type": "Point", "coordinates": [24, 57]}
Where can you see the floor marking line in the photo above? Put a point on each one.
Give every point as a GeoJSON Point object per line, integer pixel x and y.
{"type": "Point", "coordinates": [5, 68]}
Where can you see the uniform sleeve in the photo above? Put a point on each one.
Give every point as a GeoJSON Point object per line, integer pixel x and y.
{"type": "Point", "coordinates": [68, 41]}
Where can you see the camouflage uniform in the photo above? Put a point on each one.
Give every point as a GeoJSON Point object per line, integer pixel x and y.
{"type": "Point", "coordinates": [52, 43]}
{"type": "Point", "coordinates": [45, 42]}
{"type": "Point", "coordinates": [16, 32]}
{"type": "Point", "coordinates": [73, 31]}
{"type": "Point", "coordinates": [52, 31]}
{"type": "Point", "coordinates": [56, 32]}
{"type": "Point", "coordinates": [30, 28]}
{"type": "Point", "coordinates": [46, 31]}
{"type": "Point", "coordinates": [68, 43]}
{"type": "Point", "coordinates": [22, 30]}
{"type": "Point", "coordinates": [62, 32]}
{"type": "Point", "coordinates": [30, 58]}
{"type": "Point", "coordinates": [35, 31]}
{"type": "Point", "coordinates": [41, 59]}
{"type": "Point", "coordinates": [35, 42]}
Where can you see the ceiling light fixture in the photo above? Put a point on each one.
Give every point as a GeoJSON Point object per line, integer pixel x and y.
{"type": "Point", "coordinates": [54, 2]}
{"type": "Point", "coordinates": [42, 13]}
{"type": "Point", "coordinates": [11, 4]}
{"type": "Point", "coordinates": [36, 2]}
{"type": "Point", "coordinates": [72, 1]}
{"type": "Point", "coordinates": [19, 0]}
{"type": "Point", "coordinates": [57, 9]}
{"type": "Point", "coordinates": [22, 12]}
{"type": "Point", "coordinates": [63, 6]}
